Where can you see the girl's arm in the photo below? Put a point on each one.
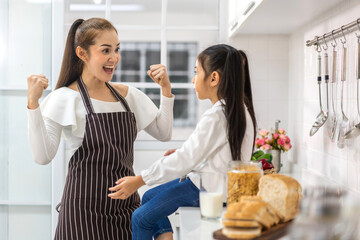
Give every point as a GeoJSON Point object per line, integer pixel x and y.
{"type": "Point", "coordinates": [44, 136]}
{"type": "Point", "coordinates": [208, 137]}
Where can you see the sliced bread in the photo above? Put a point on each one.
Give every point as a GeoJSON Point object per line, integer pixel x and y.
{"type": "Point", "coordinates": [240, 223]}
{"type": "Point", "coordinates": [242, 233]}
{"type": "Point", "coordinates": [257, 210]}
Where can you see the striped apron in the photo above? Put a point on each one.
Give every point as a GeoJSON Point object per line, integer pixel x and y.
{"type": "Point", "coordinates": [106, 154]}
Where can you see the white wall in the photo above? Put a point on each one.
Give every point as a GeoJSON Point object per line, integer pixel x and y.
{"type": "Point", "coordinates": [318, 156]}
{"type": "Point", "coordinates": [268, 57]}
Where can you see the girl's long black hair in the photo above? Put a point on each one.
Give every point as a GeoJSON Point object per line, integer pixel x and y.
{"type": "Point", "coordinates": [82, 33]}
{"type": "Point", "coordinates": [235, 88]}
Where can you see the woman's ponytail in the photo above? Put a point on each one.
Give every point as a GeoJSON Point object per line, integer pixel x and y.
{"type": "Point", "coordinates": [71, 66]}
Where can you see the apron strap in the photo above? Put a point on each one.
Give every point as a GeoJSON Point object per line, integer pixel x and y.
{"type": "Point", "coordinates": [85, 96]}
{"type": "Point", "coordinates": [119, 97]}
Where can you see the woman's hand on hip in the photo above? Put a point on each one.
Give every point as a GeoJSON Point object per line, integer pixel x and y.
{"type": "Point", "coordinates": [37, 83]}
{"type": "Point", "coordinates": [125, 187]}
{"type": "Point", "coordinates": [158, 73]}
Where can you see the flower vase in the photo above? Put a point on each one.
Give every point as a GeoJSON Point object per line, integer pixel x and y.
{"type": "Point", "coordinates": [276, 160]}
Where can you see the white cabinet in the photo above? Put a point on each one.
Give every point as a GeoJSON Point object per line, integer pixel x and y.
{"type": "Point", "coordinates": [239, 11]}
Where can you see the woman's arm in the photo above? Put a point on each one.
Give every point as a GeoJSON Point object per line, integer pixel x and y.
{"type": "Point", "coordinates": [44, 136]}
{"type": "Point", "coordinates": [161, 127]}
{"type": "Point", "coordinates": [158, 74]}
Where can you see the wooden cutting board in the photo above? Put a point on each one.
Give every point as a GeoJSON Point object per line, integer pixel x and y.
{"type": "Point", "coordinates": [273, 233]}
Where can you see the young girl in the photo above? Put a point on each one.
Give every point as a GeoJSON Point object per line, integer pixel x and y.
{"type": "Point", "coordinates": [100, 120]}
{"type": "Point", "coordinates": [225, 132]}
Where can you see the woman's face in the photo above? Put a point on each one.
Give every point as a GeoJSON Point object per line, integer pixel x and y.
{"type": "Point", "coordinates": [201, 84]}
{"type": "Point", "coordinates": [103, 56]}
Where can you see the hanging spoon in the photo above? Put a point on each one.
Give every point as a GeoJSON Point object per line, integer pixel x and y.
{"type": "Point", "coordinates": [321, 117]}
{"type": "Point", "coordinates": [355, 131]}
{"type": "Point", "coordinates": [345, 124]}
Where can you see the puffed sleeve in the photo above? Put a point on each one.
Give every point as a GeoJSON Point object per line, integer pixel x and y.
{"type": "Point", "coordinates": [65, 107]}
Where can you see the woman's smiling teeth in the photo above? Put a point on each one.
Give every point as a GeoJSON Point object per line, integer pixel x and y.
{"type": "Point", "coordinates": [108, 69]}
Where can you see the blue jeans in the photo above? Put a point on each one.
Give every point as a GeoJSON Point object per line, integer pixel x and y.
{"type": "Point", "coordinates": [151, 219]}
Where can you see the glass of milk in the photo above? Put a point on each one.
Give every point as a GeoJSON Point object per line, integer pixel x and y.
{"type": "Point", "coordinates": [211, 195]}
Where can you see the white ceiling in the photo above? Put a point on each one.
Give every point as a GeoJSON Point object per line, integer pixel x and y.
{"type": "Point", "coordinates": [284, 16]}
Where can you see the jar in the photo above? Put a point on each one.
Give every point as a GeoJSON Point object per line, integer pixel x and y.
{"type": "Point", "coordinates": [243, 179]}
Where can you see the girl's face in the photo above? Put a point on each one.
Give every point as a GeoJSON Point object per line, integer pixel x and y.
{"type": "Point", "coordinates": [103, 56]}
{"type": "Point", "coordinates": [201, 84]}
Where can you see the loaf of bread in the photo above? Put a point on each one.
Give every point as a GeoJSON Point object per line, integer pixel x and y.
{"type": "Point", "coordinates": [283, 193]}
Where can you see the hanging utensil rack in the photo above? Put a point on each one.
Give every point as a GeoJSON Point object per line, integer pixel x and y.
{"type": "Point", "coordinates": [350, 27]}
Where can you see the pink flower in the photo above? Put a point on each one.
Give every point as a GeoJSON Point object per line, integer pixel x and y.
{"type": "Point", "coordinates": [277, 140]}
{"type": "Point", "coordinates": [263, 132]}
{"type": "Point", "coordinates": [287, 146]}
{"type": "Point", "coordinates": [283, 137]}
{"type": "Point", "coordinates": [281, 142]}
{"type": "Point", "coordinates": [275, 135]}
{"type": "Point", "coordinates": [265, 147]}
{"type": "Point", "coordinates": [281, 131]}
{"type": "Point", "coordinates": [261, 141]}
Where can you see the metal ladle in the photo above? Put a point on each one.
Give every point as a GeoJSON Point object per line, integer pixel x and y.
{"type": "Point", "coordinates": [345, 124]}
{"type": "Point", "coordinates": [322, 116]}
{"type": "Point", "coordinates": [355, 131]}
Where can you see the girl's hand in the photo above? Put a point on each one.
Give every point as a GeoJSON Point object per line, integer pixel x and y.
{"type": "Point", "coordinates": [125, 187]}
{"type": "Point", "coordinates": [158, 74]}
{"type": "Point", "coordinates": [37, 83]}
{"type": "Point", "coordinates": [169, 152]}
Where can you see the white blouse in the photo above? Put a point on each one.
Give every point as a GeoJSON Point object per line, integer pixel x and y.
{"type": "Point", "coordinates": [62, 113]}
{"type": "Point", "coordinates": [206, 150]}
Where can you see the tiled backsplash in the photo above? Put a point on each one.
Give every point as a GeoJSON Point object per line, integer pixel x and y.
{"type": "Point", "coordinates": [319, 155]}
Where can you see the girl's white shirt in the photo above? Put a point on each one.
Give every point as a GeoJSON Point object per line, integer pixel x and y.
{"type": "Point", "coordinates": [62, 113]}
{"type": "Point", "coordinates": [206, 150]}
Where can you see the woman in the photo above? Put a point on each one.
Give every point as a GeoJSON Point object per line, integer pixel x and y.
{"type": "Point", "coordinates": [225, 132]}
{"type": "Point", "coordinates": [100, 120]}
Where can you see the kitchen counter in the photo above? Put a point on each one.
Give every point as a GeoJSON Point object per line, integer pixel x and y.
{"type": "Point", "coordinates": [190, 225]}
